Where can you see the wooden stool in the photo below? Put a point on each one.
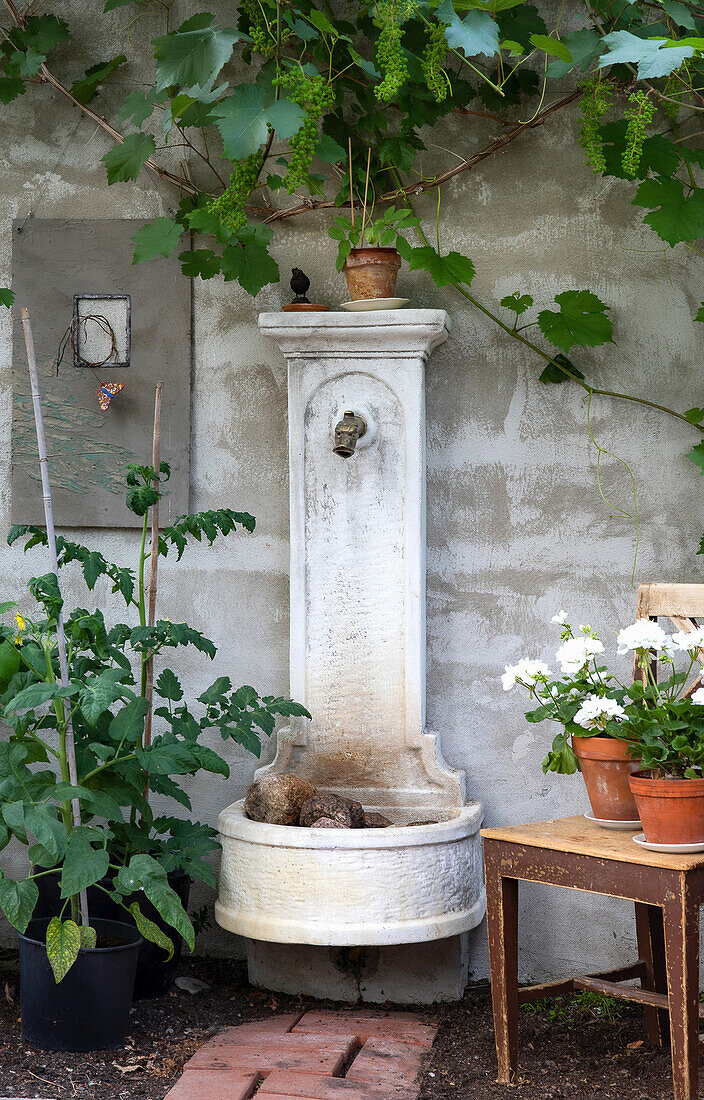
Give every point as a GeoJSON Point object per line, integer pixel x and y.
{"type": "Point", "coordinates": [668, 891]}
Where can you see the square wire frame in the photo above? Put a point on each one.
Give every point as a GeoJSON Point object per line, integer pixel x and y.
{"type": "Point", "coordinates": [78, 361]}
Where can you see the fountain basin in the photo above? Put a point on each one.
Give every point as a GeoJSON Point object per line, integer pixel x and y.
{"type": "Point", "coordinates": [349, 887]}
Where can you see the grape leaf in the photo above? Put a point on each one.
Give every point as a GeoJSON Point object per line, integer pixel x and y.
{"type": "Point", "coordinates": [201, 262]}
{"type": "Point", "coordinates": [63, 942]}
{"type": "Point", "coordinates": [673, 216]}
{"type": "Point", "coordinates": [193, 54]}
{"type": "Point", "coordinates": [582, 45]}
{"type": "Point", "coordinates": [552, 46]}
{"type": "Point", "coordinates": [581, 320]}
{"type": "Point", "coordinates": [443, 270]}
{"type": "Point", "coordinates": [7, 297]}
{"type": "Point", "coordinates": [138, 106]}
{"type": "Point", "coordinates": [700, 313]}
{"type": "Point", "coordinates": [517, 302]}
{"type": "Point", "coordinates": [127, 159]}
{"type": "Point", "coordinates": [695, 416]}
{"type": "Point", "coordinates": [158, 238]}
{"type": "Point", "coordinates": [476, 34]}
{"type": "Point", "coordinates": [85, 89]}
{"type": "Point", "coordinates": [553, 373]}
{"type": "Point", "coordinates": [652, 55]}
{"type": "Point", "coordinates": [251, 264]}
{"type": "Point", "coordinates": [244, 117]}
{"type": "Point", "coordinates": [696, 455]}
{"type": "Point", "coordinates": [10, 88]}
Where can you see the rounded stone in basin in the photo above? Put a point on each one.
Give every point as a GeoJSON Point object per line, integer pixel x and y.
{"type": "Point", "coordinates": [405, 884]}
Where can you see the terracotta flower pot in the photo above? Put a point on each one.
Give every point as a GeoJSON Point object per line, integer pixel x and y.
{"type": "Point", "coordinates": [671, 810]}
{"type": "Point", "coordinates": [607, 767]}
{"type": "Point", "coordinates": [371, 273]}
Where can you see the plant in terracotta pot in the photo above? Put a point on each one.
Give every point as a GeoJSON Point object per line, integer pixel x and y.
{"type": "Point", "coordinates": [610, 731]}
{"type": "Point", "coordinates": [368, 252]}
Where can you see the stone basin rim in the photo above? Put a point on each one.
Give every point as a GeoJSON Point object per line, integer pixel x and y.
{"type": "Point", "coordinates": [233, 822]}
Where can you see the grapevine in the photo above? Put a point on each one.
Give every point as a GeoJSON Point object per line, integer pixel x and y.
{"type": "Point", "coordinates": [229, 207]}
{"type": "Point", "coordinates": [639, 114]}
{"type": "Point", "coordinates": [595, 104]}
{"type": "Point", "coordinates": [262, 40]}
{"type": "Point", "coordinates": [315, 96]}
{"type": "Point", "coordinates": [434, 54]}
{"type": "Point", "coordinates": [390, 15]}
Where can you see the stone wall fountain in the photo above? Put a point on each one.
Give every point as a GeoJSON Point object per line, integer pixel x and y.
{"type": "Point", "coordinates": [328, 912]}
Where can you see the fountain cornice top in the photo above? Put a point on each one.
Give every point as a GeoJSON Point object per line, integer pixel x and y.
{"type": "Point", "coordinates": [394, 333]}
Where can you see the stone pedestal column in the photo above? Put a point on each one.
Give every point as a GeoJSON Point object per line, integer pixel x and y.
{"type": "Point", "coordinates": [358, 663]}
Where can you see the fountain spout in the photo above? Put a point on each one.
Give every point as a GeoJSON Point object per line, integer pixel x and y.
{"type": "Point", "coordinates": [347, 432]}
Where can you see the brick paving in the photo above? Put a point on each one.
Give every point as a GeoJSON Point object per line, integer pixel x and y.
{"type": "Point", "coordinates": [360, 1054]}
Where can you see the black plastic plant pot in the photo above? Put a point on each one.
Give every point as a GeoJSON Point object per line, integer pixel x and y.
{"type": "Point", "coordinates": [89, 1009]}
{"type": "Point", "coordinates": [155, 972]}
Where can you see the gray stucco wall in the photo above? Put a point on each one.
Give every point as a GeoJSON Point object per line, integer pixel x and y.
{"type": "Point", "coordinates": [516, 528]}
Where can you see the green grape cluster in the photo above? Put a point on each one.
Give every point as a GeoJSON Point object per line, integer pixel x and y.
{"type": "Point", "coordinates": [262, 41]}
{"type": "Point", "coordinates": [433, 56]}
{"type": "Point", "coordinates": [670, 109]}
{"type": "Point", "coordinates": [596, 102]}
{"type": "Point", "coordinates": [229, 207]}
{"type": "Point", "coordinates": [390, 15]}
{"type": "Point", "coordinates": [639, 114]}
{"type": "Point", "coordinates": [315, 96]}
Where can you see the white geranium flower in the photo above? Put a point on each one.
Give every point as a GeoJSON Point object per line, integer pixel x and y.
{"type": "Point", "coordinates": [574, 654]}
{"type": "Point", "coordinates": [698, 696]}
{"type": "Point", "coordinates": [641, 635]}
{"type": "Point", "coordinates": [595, 712]}
{"type": "Point", "coordinates": [560, 619]}
{"type": "Point", "coordinates": [691, 641]}
{"type": "Point", "coordinates": [526, 672]}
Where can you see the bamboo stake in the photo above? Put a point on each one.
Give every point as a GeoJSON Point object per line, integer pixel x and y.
{"type": "Point", "coordinates": [156, 447]}
{"type": "Point", "coordinates": [349, 142]}
{"type": "Point", "coordinates": [366, 188]}
{"type": "Point", "coordinates": [51, 540]}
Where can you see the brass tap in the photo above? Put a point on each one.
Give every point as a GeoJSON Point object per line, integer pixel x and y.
{"type": "Point", "coordinates": [347, 432]}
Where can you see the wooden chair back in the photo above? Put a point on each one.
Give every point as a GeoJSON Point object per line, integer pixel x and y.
{"type": "Point", "coordinates": [683, 605]}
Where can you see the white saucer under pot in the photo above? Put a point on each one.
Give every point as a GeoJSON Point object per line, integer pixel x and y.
{"type": "Point", "coordinates": [607, 823]}
{"type": "Point", "coordinates": [672, 849]}
{"type": "Point", "coordinates": [364, 304]}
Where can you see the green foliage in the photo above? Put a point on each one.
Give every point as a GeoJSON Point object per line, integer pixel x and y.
{"type": "Point", "coordinates": [596, 102]}
{"type": "Point", "coordinates": [85, 89]}
{"type": "Point", "coordinates": [157, 238]}
{"type": "Point", "coordinates": [119, 839]}
{"type": "Point", "coordinates": [389, 17]}
{"type": "Point", "coordinates": [580, 320]}
{"type": "Point", "coordinates": [63, 942]}
{"type": "Point", "coordinates": [385, 232]}
{"type": "Point", "coordinates": [126, 160]}
{"type": "Point", "coordinates": [314, 95]}
{"type": "Point", "coordinates": [194, 54]}
{"type": "Point", "coordinates": [444, 270]}
{"type": "Point", "coordinates": [639, 115]}
{"type": "Point", "coordinates": [244, 118]}
{"type": "Point", "coordinates": [6, 297]}
{"type": "Point", "coordinates": [653, 56]}
{"type": "Point", "coordinates": [476, 34]}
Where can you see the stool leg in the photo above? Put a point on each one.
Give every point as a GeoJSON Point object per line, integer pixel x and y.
{"type": "Point", "coordinates": [651, 948]}
{"type": "Point", "coordinates": [502, 921]}
{"type": "Point", "coordinates": [682, 958]}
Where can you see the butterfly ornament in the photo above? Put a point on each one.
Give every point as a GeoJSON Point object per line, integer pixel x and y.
{"type": "Point", "coordinates": [106, 392]}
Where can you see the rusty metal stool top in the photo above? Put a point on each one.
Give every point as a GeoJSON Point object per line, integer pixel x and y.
{"type": "Point", "coordinates": [668, 891]}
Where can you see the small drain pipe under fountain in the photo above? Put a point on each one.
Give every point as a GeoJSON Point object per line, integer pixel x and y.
{"type": "Point", "coordinates": [332, 912]}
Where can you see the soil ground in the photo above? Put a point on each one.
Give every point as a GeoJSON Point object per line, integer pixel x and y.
{"type": "Point", "coordinates": [581, 1047]}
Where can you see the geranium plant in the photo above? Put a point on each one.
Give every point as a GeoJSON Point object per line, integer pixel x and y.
{"type": "Point", "coordinates": [120, 847]}
{"type": "Point", "coordinates": [661, 720]}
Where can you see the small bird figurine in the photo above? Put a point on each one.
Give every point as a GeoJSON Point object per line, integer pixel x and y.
{"type": "Point", "coordinates": [299, 285]}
